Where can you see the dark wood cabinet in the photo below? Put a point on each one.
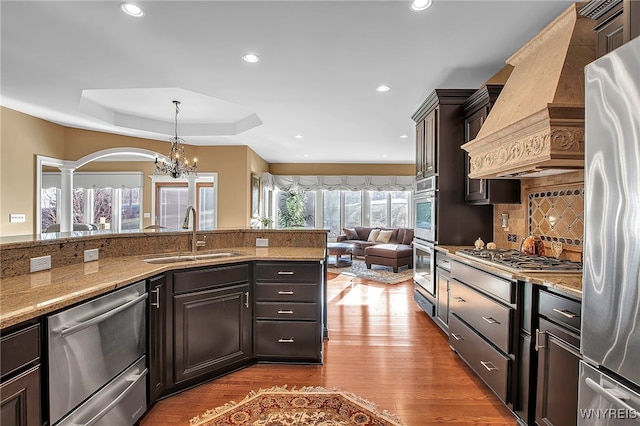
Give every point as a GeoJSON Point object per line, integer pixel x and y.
{"type": "Point", "coordinates": [426, 144]}
{"type": "Point", "coordinates": [443, 280]}
{"type": "Point", "coordinates": [484, 191]}
{"type": "Point", "coordinates": [20, 382]}
{"type": "Point", "coordinates": [288, 311]}
{"type": "Point", "coordinates": [212, 313]}
{"type": "Point", "coordinates": [617, 22]}
{"type": "Point", "coordinates": [156, 336]}
{"type": "Point", "coordinates": [557, 343]}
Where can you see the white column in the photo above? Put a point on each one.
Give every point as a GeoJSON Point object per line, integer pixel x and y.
{"type": "Point", "coordinates": [65, 205]}
{"type": "Point", "coordinates": [116, 208]}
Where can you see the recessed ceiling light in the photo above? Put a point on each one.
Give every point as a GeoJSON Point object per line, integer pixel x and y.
{"type": "Point", "coordinates": [298, 136]}
{"type": "Point", "coordinates": [421, 4]}
{"type": "Point", "coordinates": [132, 9]}
{"type": "Point", "coordinates": [384, 155]}
{"type": "Point", "coordinates": [306, 155]}
{"type": "Point", "coordinates": [403, 136]}
{"type": "Point", "coordinates": [251, 58]}
{"type": "Point", "coordinates": [383, 88]}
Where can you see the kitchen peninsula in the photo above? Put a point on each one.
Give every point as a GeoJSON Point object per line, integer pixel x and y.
{"type": "Point", "coordinates": [186, 307]}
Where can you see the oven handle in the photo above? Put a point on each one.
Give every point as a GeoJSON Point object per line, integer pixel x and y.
{"type": "Point", "coordinates": [134, 381]}
{"type": "Point", "coordinates": [95, 320]}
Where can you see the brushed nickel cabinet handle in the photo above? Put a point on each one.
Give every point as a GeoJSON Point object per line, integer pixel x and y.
{"type": "Point", "coordinates": [567, 314]}
{"type": "Point", "coordinates": [285, 292]}
{"type": "Point", "coordinates": [490, 320]}
{"type": "Point", "coordinates": [285, 272]}
{"type": "Point", "coordinates": [489, 366]}
{"type": "Point", "coordinates": [289, 340]}
{"type": "Point", "coordinates": [156, 304]}
{"type": "Point", "coordinates": [456, 336]}
{"type": "Point", "coordinates": [538, 345]}
{"type": "Point", "coordinates": [283, 311]}
{"type": "Point", "coordinates": [246, 299]}
{"type": "Point", "coordinates": [459, 299]}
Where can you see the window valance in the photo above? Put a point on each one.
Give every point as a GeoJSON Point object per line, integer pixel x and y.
{"type": "Point", "coordinates": [338, 183]}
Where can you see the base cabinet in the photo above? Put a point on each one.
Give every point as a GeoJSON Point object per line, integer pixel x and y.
{"type": "Point", "coordinates": [20, 396]}
{"type": "Point", "coordinates": [212, 313]}
{"type": "Point", "coordinates": [156, 344]}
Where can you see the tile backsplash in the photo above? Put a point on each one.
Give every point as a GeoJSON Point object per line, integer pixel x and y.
{"type": "Point", "coordinates": [552, 208]}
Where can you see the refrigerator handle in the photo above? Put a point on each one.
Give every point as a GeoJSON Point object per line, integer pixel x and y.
{"type": "Point", "coordinates": [615, 396]}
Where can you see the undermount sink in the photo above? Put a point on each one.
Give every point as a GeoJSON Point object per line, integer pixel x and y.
{"type": "Point", "coordinates": [190, 257]}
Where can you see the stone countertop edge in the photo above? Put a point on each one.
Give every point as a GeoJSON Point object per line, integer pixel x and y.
{"type": "Point", "coordinates": [29, 296]}
{"type": "Point", "coordinates": [569, 284]}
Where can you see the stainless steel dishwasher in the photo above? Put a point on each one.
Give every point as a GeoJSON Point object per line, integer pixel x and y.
{"type": "Point", "coordinates": [97, 373]}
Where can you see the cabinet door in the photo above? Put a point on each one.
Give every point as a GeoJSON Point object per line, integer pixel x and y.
{"type": "Point", "coordinates": [557, 383]}
{"type": "Point", "coordinates": [212, 331]}
{"type": "Point", "coordinates": [157, 332]}
{"type": "Point", "coordinates": [475, 189]}
{"type": "Point", "coordinates": [20, 400]}
{"type": "Point", "coordinates": [611, 35]}
{"type": "Point", "coordinates": [420, 149]}
{"type": "Point", "coordinates": [430, 142]}
{"type": "Point", "coordinates": [442, 306]}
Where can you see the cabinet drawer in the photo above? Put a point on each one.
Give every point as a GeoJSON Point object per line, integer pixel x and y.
{"type": "Point", "coordinates": [288, 271]}
{"type": "Point", "coordinates": [487, 362]}
{"type": "Point", "coordinates": [488, 317]}
{"type": "Point", "coordinates": [287, 339]}
{"type": "Point", "coordinates": [287, 311]}
{"type": "Point", "coordinates": [287, 292]}
{"type": "Point", "coordinates": [498, 287]}
{"type": "Point", "coordinates": [561, 310]}
{"type": "Point", "coordinates": [210, 277]}
{"type": "Point", "coordinates": [19, 349]}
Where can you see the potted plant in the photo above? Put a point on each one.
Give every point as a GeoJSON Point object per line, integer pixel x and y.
{"type": "Point", "coordinates": [291, 213]}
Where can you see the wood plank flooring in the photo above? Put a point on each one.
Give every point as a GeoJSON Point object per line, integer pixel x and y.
{"type": "Point", "coordinates": [381, 347]}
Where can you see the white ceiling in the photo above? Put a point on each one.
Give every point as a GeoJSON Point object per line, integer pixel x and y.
{"type": "Point", "coordinates": [320, 64]}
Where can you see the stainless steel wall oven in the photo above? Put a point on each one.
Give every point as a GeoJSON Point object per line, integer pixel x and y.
{"type": "Point", "coordinates": [97, 365]}
{"type": "Point", "coordinates": [425, 210]}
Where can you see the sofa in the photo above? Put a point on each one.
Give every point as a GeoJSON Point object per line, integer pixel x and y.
{"type": "Point", "coordinates": [381, 246]}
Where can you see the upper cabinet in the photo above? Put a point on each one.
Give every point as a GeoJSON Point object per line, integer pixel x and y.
{"type": "Point", "coordinates": [536, 125]}
{"type": "Point", "coordinates": [438, 130]}
{"type": "Point", "coordinates": [617, 22]}
{"type": "Point", "coordinates": [484, 191]}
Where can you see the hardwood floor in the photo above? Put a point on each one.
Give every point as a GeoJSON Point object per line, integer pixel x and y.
{"type": "Point", "coordinates": [381, 347]}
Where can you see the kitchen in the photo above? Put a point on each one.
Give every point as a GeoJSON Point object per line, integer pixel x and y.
{"type": "Point", "coordinates": [516, 215]}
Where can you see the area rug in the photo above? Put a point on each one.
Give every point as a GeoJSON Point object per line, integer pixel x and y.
{"type": "Point", "coordinates": [307, 406]}
{"type": "Point", "coordinates": [380, 273]}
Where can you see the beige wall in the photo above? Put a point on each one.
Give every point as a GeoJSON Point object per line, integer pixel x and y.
{"type": "Point", "coordinates": [21, 138]}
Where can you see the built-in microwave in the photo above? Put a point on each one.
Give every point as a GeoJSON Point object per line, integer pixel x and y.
{"type": "Point", "coordinates": [425, 211]}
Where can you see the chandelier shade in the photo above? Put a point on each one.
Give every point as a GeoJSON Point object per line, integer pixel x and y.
{"type": "Point", "coordinates": [176, 165]}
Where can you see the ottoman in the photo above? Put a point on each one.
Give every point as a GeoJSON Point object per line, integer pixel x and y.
{"type": "Point", "coordinates": [394, 255]}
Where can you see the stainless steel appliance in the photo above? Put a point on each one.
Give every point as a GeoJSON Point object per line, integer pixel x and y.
{"type": "Point", "coordinates": [425, 210]}
{"type": "Point", "coordinates": [424, 267]}
{"type": "Point", "coordinates": [609, 388]}
{"type": "Point", "coordinates": [97, 373]}
{"type": "Point", "coordinates": [515, 261]}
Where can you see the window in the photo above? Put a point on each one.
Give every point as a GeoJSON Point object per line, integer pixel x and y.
{"type": "Point", "coordinates": [49, 206]}
{"type": "Point", "coordinates": [352, 209]}
{"type": "Point", "coordinates": [130, 209]}
{"type": "Point", "coordinates": [400, 202]}
{"type": "Point", "coordinates": [295, 209]}
{"type": "Point", "coordinates": [331, 212]}
{"type": "Point", "coordinates": [378, 209]}
{"type": "Point", "coordinates": [172, 200]}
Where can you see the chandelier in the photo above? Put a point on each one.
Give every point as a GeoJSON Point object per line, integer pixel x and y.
{"type": "Point", "coordinates": [177, 164]}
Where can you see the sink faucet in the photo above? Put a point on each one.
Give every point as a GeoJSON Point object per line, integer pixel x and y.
{"type": "Point", "coordinates": [185, 225]}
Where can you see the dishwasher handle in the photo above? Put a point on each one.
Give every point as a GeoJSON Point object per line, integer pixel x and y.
{"type": "Point", "coordinates": [106, 315]}
{"type": "Point", "coordinates": [134, 381]}
{"type": "Point", "coordinates": [612, 395]}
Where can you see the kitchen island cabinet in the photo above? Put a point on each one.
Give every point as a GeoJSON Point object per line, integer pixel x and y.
{"type": "Point", "coordinates": [156, 336]}
{"type": "Point", "coordinates": [20, 402]}
{"type": "Point", "coordinates": [212, 312]}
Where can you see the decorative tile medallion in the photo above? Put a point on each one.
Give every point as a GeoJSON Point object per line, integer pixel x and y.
{"type": "Point", "coordinates": [557, 215]}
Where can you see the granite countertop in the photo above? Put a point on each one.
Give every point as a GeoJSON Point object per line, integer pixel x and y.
{"type": "Point", "coordinates": [28, 296]}
{"type": "Point", "coordinates": [570, 284]}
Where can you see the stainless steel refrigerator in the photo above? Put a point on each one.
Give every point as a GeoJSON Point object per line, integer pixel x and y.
{"type": "Point", "coordinates": [609, 389]}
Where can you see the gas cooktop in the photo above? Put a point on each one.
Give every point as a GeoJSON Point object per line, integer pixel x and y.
{"type": "Point", "coordinates": [516, 261]}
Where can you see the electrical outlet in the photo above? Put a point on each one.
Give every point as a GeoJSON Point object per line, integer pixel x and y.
{"type": "Point", "coordinates": [40, 263]}
{"type": "Point", "coordinates": [262, 242]}
{"type": "Point", "coordinates": [17, 217]}
{"type": "Point", "coordinates": [90, 255]}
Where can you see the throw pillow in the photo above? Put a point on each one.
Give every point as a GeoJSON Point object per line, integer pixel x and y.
{"type": "Point", "coordinates": [350, 233]}
{"type": "Point", "coordinates": [384, 237]}
{"type": "Point", "coordinates": [373, 236]}
{"type": "Point", "coordinates": [408, 237]}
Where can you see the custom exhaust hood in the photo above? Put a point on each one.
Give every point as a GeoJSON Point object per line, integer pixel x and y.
{"type": "Point", "coordinates": [536, 125]}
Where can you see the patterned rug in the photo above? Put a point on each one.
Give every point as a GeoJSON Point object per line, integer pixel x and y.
{"type": "Point", "coordinates": [380, 273]}
{"type": "Point", "coordinates": [308, 406]}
